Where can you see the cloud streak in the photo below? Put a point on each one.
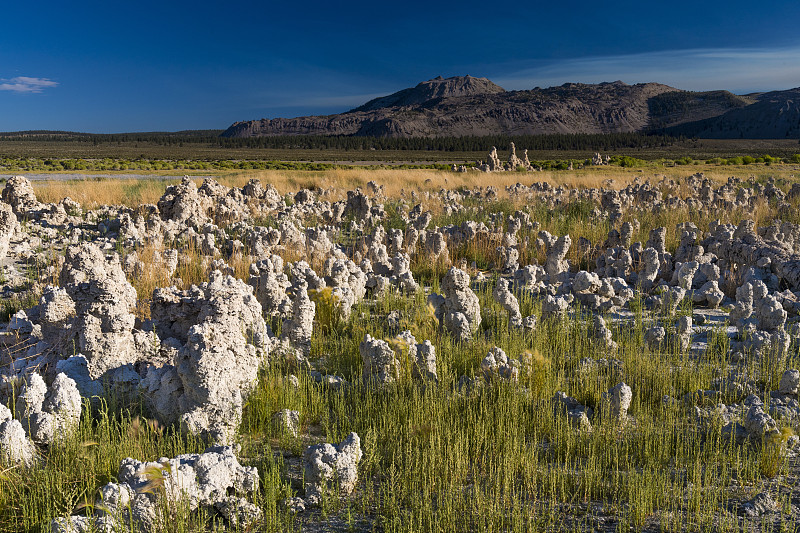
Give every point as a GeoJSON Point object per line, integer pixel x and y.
{"type": "Point", "coordinates": [25, 84]}
{"type": "Point", "coordinates": [740, 70]}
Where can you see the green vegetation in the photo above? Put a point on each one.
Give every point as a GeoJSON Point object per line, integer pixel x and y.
{"type": "Point", "coordinates": [442, 456]}
{"type": "Point", "coordinates": [673, 105]}
{"type": "Point", "coordinates": [108, 164]}
{"type": "Point", "coordinates": [604, 142]}
{"type": "Point", "coordinates": [436, 459]}
{"type": "Point", "coordinates": [65, 152]}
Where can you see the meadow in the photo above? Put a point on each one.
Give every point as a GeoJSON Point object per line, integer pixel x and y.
{"type": "Point", "coordinates": [442, 456]}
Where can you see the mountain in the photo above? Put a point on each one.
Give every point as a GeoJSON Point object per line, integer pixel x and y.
{"type": "Point", "coordinates": [772, 115]}
{"type": "Point", "coordinates": [437, 88]}
{"type": "Point", "coordinates": [469, 106]}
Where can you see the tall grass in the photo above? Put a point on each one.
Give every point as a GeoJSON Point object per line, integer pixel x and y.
{"type": "Point", "coordinates": [439, 457]}
{"type": "Point", "coordinates": [120, 190]}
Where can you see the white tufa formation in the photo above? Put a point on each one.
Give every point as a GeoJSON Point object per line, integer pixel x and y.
{"type": "Point", "coordinates": [326, 463]}
{"type": "Point", "coordinates": [457, 309]}
{"type": "Point", "coordinates": [219, 340]}
{"type": "Point", "coordinates": [49, 414]}
{"type": "Point", "coordinates": [148, 492]}
{"type": "Point", "coordinates": [506, 298]}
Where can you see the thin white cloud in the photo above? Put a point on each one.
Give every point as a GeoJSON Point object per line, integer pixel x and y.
{"type": "Point", "coordinates": [25, 84]}
{"type": "Point", "coordinates": [740, 70]}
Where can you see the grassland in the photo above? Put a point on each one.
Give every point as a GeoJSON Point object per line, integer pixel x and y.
{"type": "Point", "coordinates": [442, 458]}
{"type": "Point", "coordinates": [132, 151]}
{"type": "Point", "coordinates": [119, 190]}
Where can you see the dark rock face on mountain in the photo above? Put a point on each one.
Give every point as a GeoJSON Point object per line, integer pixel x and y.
{"type": "Point", "coordinates": [685, 107]}
{"type": "Point", "coordinates": [464, 106]}
{"type": "Point", "coordinates": [772, 115]}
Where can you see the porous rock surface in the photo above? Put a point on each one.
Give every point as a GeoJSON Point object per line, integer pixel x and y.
{"type": "Point", "coordinates": [93, 312]}
{"type": "Point", "coordinates": [380, 361]}
{"type": "Point", "coordinates": [506, 298]}
{"type": "Point", "coordinates": [195, 359]}
{"type": "Point", "coordinates": [220, 340]}
{"type": "Point", "coordinates": [15, 446]}
{"type": "Point", "coordinates": [457, 309]}
{"type": "Point", "coordinates": [213, 480]}
{"type": "Point", "coordinates": [8, 227]}
{"type": "Point", "coordinates": [326, 463]}
{"type": "Point", "coordinates": [48, 413]}
{"type": "Point", "coordinates": [297, 329]}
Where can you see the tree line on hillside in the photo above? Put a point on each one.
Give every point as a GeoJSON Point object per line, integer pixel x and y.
{"type": "Point", "coordinates": [157, 137]}
{"type": "Point", "coordinates": [579, 141]}
{"type": "Point", "coordinates": [610, 141]}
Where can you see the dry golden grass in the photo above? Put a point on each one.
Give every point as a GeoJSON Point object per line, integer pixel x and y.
{"type": "Point", "coordinates": [126, 191]}
{"type": "Point", "coordinates": [92, 193]}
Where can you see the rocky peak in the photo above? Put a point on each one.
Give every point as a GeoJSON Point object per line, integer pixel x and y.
{"type": "Point", "coordinates": [438, 87]}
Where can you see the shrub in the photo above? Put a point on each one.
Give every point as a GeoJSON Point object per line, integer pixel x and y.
{"type": "Point", "coordinates": [327, 312]}
{"type": "Point", "coordinates": [536, 371]}
{"type": "Point", "coordinates": [774, 451]}
{"type": "Point", "coordinates": [627, 161]}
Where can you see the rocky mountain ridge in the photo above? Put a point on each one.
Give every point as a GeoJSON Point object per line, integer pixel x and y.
{"type": "Point", "coordinates": [470, 106]}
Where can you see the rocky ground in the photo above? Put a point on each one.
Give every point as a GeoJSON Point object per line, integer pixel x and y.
{"type": "Point", "coordinates": [625, 375]}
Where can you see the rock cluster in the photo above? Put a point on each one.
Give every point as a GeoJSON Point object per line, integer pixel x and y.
{"type": "Point", "coordinates": [330, 467]}
{"type": "Point", "coordinates": [514, 162]}
{"type": "Point", "coordinates": [321, 262]}
{"type": "Point", "coordinates": [218, 339]}
{"type": "Point", "coordinates": [48, 413]}
{"type": "Point", "coordinates": [381, 363]}
{"type": "Point", "coordinates": [457, 309]}
{"type": "Point", "coordinates": [15, 446]}
{"type": "Point", "coordinates": [213, 480]}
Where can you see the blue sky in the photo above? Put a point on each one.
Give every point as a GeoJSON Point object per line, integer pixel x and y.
{"type": "Point", "coordinates": [159, 65]}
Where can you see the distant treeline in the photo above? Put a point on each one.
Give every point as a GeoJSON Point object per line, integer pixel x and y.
{"type": "Point", "coordinates": [610, 141]}
{"type": "Point", "coordinates": [578, 141]}
{"type": "Point", "coordinates": [155, 137]}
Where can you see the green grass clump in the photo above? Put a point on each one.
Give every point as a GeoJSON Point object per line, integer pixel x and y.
{"type": "Point", "coordinates": [327, 312]}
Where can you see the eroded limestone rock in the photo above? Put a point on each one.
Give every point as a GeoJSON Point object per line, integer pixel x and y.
{"type": "Point", "coordinates": [15, 446]}
{"type": "Point", "coordinates": [297, 330]}
{"type": "Point", "coordinates": [220, 340]}
{"type": "Point", "coordinates": [579, 415]}
{"type": "Point", "coordinates": [270, 284]}
{"type": "Point", "coordinates": [457, 309]}
{"type": "Point", "coordinates": [8, 227]}
{"type": "Point", "coordinates": [619, 399]}
{"type": "Point", "coordinates": [19, 194]}
{"type": "Point", "coordinates": [506, 298]}
{"type": "Point", "coordinates": [326, 463]}
{"type": "Point", "coordinates": [380, 361]}
{"type": "Point", "coordinates": [49, 413]}
{"type": "Point", "coordinates": [103, 326]}
{"type": "Point", "coordinates": [214, 481]}
{"type": "Point", "coordinates": [422, 356]}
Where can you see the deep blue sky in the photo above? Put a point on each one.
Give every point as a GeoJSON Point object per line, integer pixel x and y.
{"type": "Point", "coordinates": [158, 65]}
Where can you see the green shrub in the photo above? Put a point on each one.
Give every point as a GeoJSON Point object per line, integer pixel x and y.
{"type": "Point", "coordinates": [327, 312]}
{"type": "Point", "coordinates": [774, 450]}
